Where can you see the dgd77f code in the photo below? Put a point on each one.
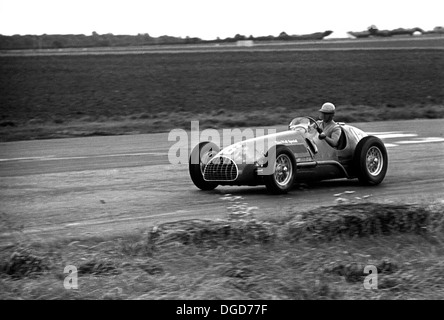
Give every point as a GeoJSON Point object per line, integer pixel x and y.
{"type": "Point", "coordinates": [243, 309]}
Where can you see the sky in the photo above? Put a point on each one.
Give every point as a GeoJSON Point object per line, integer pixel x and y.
{"type": "Point", "coordinates": [209, 19]}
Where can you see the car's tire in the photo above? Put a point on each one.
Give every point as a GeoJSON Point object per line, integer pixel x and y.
{"type": "Point", "coordinates": [197, 161]}
{"type": "Point", "coordinates": [281, 181]}
{"type": "Point", "coordinates": [370, 160]}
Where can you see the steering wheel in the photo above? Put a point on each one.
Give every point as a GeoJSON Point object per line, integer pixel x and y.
{"type": "Point", "coordinates": [315, 123]}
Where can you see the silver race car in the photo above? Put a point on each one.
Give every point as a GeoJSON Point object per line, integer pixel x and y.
{"type": "Point", "coordinates": [295, 155]}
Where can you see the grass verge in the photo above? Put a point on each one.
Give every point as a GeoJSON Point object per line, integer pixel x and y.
{"type": "Point", "coordinates": [316, 254]}
{"type": "Point", "coordinates": [71, 96]}
{"type": "Point", "coordinates": [217, 119]}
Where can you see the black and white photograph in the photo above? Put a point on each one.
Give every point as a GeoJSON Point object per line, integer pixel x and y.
{"type": "Point", "coordinates": [221, 156]}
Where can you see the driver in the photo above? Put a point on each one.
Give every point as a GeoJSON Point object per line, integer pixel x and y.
{"type": "Point", "coordinates": [328, 130]}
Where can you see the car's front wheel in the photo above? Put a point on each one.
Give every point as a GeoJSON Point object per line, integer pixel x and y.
{"type": "Point", "coordinates": [281, 181]}
{"type": "Point", "coordinates": [371, 160]}
{"type": "Point", "coordinates": [200, 156]}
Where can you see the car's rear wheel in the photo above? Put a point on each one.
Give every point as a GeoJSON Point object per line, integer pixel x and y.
{"type": "Point", "coordinates": [371, 160]}
{"type": "Point", "coordinates": [200, 156]}
{"type": "Point", "coordinates": [281, 181]}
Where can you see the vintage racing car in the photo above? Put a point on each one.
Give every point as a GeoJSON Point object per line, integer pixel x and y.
{"type": "Point", "coordinates": [294, 155]}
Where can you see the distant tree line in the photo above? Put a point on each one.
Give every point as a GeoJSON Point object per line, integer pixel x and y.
{"type": "Point", "coordinates": [373, 31]}
{"type": "Point", "coordinates": [55, 41]}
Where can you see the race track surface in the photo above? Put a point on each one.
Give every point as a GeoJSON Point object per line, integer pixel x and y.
{"type": "Point", "coordinates": [108, 185]}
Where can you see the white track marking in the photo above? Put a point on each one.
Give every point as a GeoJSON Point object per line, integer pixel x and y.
{"type": "Point", "coordinates": [380, 133]}
{"type": "Point", "coordinates": [53, 158]}
{"type": "Point", "coordinates": [22, 159]}
{"type": "Point", "coordinates": [400, 134]}
{"type": "Point", "coordinates": [422, 140]}
{"type": "Point", "coordinates": [393, 135]}
{"type": "Point", "coordinates": [390, 145]}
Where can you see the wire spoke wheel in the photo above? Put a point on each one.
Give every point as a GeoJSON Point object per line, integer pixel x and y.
{"type": "Point", "coordinates": [374, 161]}
{"type": "Point", "coordinates": [283, 170]}
{"type": "Point", "coordinates": [370, 160]}
{"type": "Point", "coordinates": [282, 178]}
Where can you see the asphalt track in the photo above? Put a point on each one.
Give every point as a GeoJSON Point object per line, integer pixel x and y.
{"type": "Point", "coordinates": [108, 185]}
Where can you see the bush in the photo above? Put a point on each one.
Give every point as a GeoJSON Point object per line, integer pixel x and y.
{"type": "Point", "coordinates": [23, 263]}
{"type": "Point", "coordinates": [359, 220]}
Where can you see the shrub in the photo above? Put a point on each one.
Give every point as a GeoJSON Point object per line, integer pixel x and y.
{"type": "Point", "coordinates": [23, 263]}
{"type": "Point", "coordinates": [358, 220]}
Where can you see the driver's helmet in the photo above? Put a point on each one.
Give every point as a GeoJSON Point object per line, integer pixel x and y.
{"type": "Point", "coordinates": [328, 108]}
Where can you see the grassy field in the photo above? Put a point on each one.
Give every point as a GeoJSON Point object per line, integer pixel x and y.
{"type": "Point", "coordinates": [319, 254]}
{"type": "Point", "coordinates": [65, 96]}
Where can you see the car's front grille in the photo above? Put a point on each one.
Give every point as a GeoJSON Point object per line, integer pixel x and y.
{"type": "Point", "coordinates": [220, 169]}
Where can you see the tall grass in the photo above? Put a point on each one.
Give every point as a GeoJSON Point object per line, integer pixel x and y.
{"type": "Point", "coordinates": [317, 254]}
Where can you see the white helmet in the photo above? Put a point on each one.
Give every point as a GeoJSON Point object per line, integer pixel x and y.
{"type": "Point", "coordinates": [328, 108]}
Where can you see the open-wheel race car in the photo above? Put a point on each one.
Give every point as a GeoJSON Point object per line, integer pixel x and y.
{"type": "Point", "coordinates": [294, 155]}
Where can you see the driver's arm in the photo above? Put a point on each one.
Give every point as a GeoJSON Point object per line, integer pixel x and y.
{"type": "Point", "coordinates": [334, 139]}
